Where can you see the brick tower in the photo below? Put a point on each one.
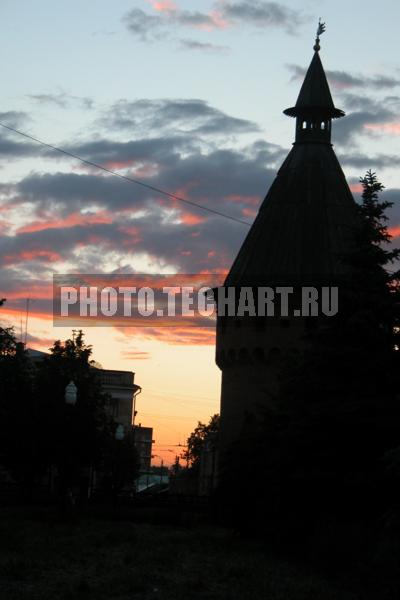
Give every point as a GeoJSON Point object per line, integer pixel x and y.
{"type": "Point", "coordinates": [302, 230]}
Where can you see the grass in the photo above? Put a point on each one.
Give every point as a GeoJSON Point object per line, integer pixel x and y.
{"type": "Point", "coordinates": [42, 558]}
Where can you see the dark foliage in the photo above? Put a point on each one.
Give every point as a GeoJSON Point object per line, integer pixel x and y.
{"type": "Point", "coordinates": [320, 472]}
{"type": "Point", "coordinates": [40, 432]}
{"type": "Point", "coordinates": [197, 439]}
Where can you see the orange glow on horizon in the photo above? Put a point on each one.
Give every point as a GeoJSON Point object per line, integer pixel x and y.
{"type": "Point", "coordinates": [180, 381]}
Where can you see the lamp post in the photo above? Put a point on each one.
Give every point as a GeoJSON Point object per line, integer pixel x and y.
{"type": "Point", "coordinates": [71, 392]}
{"type": "Point", "coordinates": [119, 436]}
{"type": "Point", "coordinates": [120, 432]}
{"type": "Point", "coordinates": [65, 468]}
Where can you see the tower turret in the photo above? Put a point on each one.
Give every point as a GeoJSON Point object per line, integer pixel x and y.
{"type": "Point", "coordinates": [314, 109]}
{"type": "Point", "coordinates": [304, 227]}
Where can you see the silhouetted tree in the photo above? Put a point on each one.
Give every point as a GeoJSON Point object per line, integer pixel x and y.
{"type": "Point", "coordinates": [39, 431]}
{"type": "Point", "coordinates": [197, 439]}
{"type": "Point", "coordinates": [176, 467]}
{"type": "Point", "coordinates": [20, 414]}
{"type": "Point", "coordinates": [74, 436]}
{"type": "Point", "coordinates": [319, 454]}
{"type": "Point", "coordinates": [119, 465]}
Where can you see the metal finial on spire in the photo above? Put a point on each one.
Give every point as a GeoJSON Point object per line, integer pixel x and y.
{"type": "Point", "coordinates": [321, 29]}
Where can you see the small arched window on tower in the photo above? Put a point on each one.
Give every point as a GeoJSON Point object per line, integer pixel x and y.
{"type": "Point", "coordinates": [258, 355]}
{"type": "Point", "coordinates": [304, 125]}
{"type": "Point", "coordinates": [323, 126]}
{"type": "Point", "coordinates": [243, 355]}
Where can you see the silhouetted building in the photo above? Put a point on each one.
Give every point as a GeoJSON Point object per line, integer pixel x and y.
{"type": "Point", "coordinates": [303, 228]}
{"type": "Point", "coordinates": [120, 386]}
{"type": "Point", "coordinates": [208, 466]}
{"type": "Point", "coordinates": [143, 439]}
{"type": "Point", "coordinates": [122, 390]}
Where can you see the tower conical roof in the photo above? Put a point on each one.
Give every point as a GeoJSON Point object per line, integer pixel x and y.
{"type": "Point", "coordinates": [315, 95]}
{"type": "Point", "coordinates": [306, 223]}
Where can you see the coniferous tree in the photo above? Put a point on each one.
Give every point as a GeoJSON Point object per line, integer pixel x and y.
{"type": "Point", "coordinates": [320, 453]}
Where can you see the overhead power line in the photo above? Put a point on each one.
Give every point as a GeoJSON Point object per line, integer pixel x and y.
{"type": "Point", "coordinates": [125, 177]}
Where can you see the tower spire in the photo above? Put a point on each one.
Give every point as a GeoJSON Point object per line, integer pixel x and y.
{"type": "Point", "coordinates": [321, 29]}
{"type": "Point", "coordinates": [314, 109]}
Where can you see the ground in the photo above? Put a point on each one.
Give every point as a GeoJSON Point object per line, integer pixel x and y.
{"type": "Point", "coordinates": [43, 558]}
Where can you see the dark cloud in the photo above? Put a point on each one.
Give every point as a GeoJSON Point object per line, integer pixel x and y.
{"type": "Point", "coordinates": [14, 118]}
{"type": "Point", "coordinates": [10, 144]}
{"type": "Point", "coordinates": [257, 14]}
{"type": "Point", "coordinates": [142, 24]}
{"type": "Point", "coordinates": [361, 113]}
{"type": "Point", "coordinates": [196, 45]}
{"type": "Point", "coordinates": [95, 222]}
{"type": "Point", "coordinates": [164, 149]}
{"type": "Point", "coordinates": [63, 226]}
{"type": "Point", "coordinates": [344, 80]}
{"type": "Point", "coordinates": [62, 100]}
{"type": "Point", "coordinates": [364, 162]}
{"type": "Point", "coordinates": [219, 180]}
{"type": "Point", "coordinates": [365, 113]}
{"type": "Point", "coordinates": [188, 18]}
{"type": "Point", "coordinates": [341, 79]}
{"type": "Point", "coordinates": [56, 99]}
{"type": "Point", "coordinates": [262, 14]}
{"type": "Point", "coordinates": [13, 149]}
{"type": "Point", "coordinates": [230, 180]}
{"type": "Point", "coordinates": [192, 116]}
{"type": "Point", "coordinates": [347, 129]}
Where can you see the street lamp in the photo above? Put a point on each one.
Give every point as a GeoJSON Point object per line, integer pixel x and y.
{"type": "Point", "coordinates": [71, 394]}
{"type": "Point", "coordinates": [120, 432]}
{"type": "Point", "coordinates": [117, 472]}
{"type": "Point", "coordinates": [70, 397]}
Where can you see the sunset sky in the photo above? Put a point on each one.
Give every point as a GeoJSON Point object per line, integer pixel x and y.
{"type": "Point", "coordinates": [188, 97]}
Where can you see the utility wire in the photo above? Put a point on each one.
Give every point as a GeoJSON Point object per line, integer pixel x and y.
{"type": "Point", "coordinates": [130, 179]}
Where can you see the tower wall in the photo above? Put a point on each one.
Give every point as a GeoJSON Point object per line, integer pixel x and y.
{"type": "Point", "coordinates": [303, 230]}
{"type": "Point", "coordinates": [251, 353]}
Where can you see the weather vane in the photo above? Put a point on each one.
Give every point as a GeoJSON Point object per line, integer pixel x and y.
{"type": "Point", "coordinates": [321, 29]}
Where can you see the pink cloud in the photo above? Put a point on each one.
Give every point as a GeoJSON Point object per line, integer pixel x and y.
{"type": "Point", "coordinates": [15, 313]}
{"type": "Point", "coordinates": [134, 355]}
{"type": "Point", "coordinates": [392, 128]}
{"type": "Point", "coordinates": [27, 255]}
{"type": "Point", "coordinates": [72, 220]}
{"type": "Point", "coordinates": [218, 20]}
{"type": "Point", "coordinates": [249, 212]}
{"type": "Point", "coordinates": [252, 200]}
{"type": "Point", "coordinates": [39, 292]}
{"type": "Point", "coordinates": [191, 219]}
{"type": "Point", "coordinates": [163, 5]}
{"type": "Point", "coordinates": [356, 188]}
{"type": "Point", "coordinates": [118, 164]}
{"type": "Point", "coordinates": [196, 336]}
{"type": "Point", "coordinates": [4, 226]}
{"type": "Point", "coordinates": [206, 21]}
{"type": "Point", "coordinates": [133, 233]}
{"type": "Point", "coordinates": [394, 231]}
